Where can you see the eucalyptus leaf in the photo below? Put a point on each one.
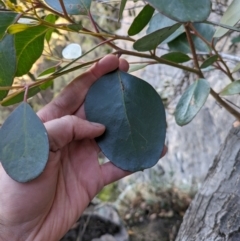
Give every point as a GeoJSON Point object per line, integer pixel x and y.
{"type": "Point", "coordinates": [230, 17]}
{"type": "Point", "coordinates": [134, 116]}
{"type": "Point", "coordinates": [29, 47]}
{"type": "Point", "coordinates": [141, 21]}
{"type": "Point", "coordinates": [122, 6]}
{"type": "Point", "coordinates": [73, 7]}
{"type": "Point", "coordinates": [45, 73]}
{"type": "Point", "coordinates": [184, 10]}
{"type": "Point", "coordinates": [135, 67]}
{"type": "Point", "coordinates": [7, 63]}
{"type": "Point", "coordinates": [160, 21]}
{"type": "Point", "coordinates": [209, 61]}
{"type": "Point", "coordinates": [191, 101]}
{"type": "Point", "coordinates": [181, 43]}
{"type": "Point", "coordinates": [236, 39]}
{"type": "Point", "coordinates": [177, 57]}
{"type": "Point", "coordinates": [231, 89]}
{"type": "Point", "coordinates": [24, 146]}
{"type": "Point", "coordinates": [51, 18]}
{"type": "Point", "coordinates": [6, 19]}
{"type": "Point", "coordinates": [222, 25]}
{"type": "Point", "coordinates": [236, 68]}
{"type": "Point", "coordinates": [152, 40]}
{"type": "Point", "coordinates": [18, 27]}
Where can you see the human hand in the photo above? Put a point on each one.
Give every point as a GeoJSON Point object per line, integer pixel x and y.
{"type": "Point", "coordinates": [47, 207]}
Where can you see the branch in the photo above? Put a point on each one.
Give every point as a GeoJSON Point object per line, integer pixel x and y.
{"type": "Point", "coordinates": [200, 74]}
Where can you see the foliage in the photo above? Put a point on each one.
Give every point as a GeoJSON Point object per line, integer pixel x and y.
{"type": "Point", "coordinates": [25, 34]}
{"type": "Point", "coordinates": [134, 136]}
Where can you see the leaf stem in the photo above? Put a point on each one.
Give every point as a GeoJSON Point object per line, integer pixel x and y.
{"type": "Point", "coordinates": [93, 22]}
{"type": "Point", "coordinates": [211, 45]}
{"type": "Point", "coordinates": [26, 93]}
{"type": "Point", "coordinates": [65, 11]}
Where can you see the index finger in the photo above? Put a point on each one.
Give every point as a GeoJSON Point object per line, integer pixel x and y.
{"type": "Point", "coordinates": [73, 95]}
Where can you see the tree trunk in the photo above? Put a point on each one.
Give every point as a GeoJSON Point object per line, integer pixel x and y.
{"type": "Point", "coordinates": [214, 214]}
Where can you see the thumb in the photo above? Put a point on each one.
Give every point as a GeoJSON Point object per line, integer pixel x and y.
{"type": "Point", "coordinates": [63, 130]}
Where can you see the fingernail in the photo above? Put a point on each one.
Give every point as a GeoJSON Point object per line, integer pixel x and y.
{"type": "Point", "coordinates": [97, 124]}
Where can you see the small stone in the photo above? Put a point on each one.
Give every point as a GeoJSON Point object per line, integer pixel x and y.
{"type": "Point", "coordinates": [153, 216]}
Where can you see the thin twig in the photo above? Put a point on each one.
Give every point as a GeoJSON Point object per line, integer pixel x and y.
{"type": "Point", "coordinates": [211, 45]}
{"type": "Point", "coordinates": [93, 22]}
{"type": "Point", "coordinates": [200, 74]}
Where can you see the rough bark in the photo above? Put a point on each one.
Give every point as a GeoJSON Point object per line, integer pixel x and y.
{"type": "Point", "coordinates": [214, 214]}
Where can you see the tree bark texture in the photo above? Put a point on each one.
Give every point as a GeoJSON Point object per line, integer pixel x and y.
{"type": "Point", "coordinates": [214, 214]}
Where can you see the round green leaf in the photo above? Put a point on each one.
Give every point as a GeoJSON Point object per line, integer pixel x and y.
{"type": "Point", "coordinates": [73, 7]}
{"type": "Point", "coordinates": [191, 101]}
{"type": "Point", "coordinates": [134, 116]}
{"type": "Point", "coordinates": [24, 146]}
{"type": "Point", "coordinates": [141, 20]}
{"type": "Point", "coordinates": [231, 89]}
{"type": "Point", "coordinates": [184, 10]}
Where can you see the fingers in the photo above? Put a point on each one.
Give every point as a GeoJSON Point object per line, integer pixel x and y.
{"type": "Point", "coordinates": [111, 173]}
{"type": "Point", "coordinates": [124, 66]}
{"type": "Point", "coordinates": [165, 149]}
{"type": "Point", "coordinates": [74, 129]}
{"type": "Point", "coordinates": [71, 98]}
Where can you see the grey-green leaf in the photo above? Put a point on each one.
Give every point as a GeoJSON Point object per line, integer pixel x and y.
{"type": "Point", "coordinates": [6, 19]}
{"type": "Point", "coordinates": [181, 43]}
{"type": "Point", "coordinates": [230, 17]}
{"type": "Point", "coordinates": [24, 146]}
{"type": "Point", "coordinates": [135, 67]}
{"type": "Point", "coordinates": [160, 21]}
{"type": "Point", "coordinates": [192, 101]}
{"type": "Point", "coordinates": [231, 89]}
{"type": "Point", "coordinates": [73, 7]}
{"type": "Point", "coordinates": [152, 40]}
{"type": "Point", "coordinates": [184, 10]}
{"type": "Point", "coordinates": [236, 68]}
{"type": "Point", "coordinates": [141, 21]}
{"type": "Point", "coordinates": [209, 61]}
{"type": "Point", "coordinates": [134, 116]}
{"type": "Point", "coordinates": [7, 63]}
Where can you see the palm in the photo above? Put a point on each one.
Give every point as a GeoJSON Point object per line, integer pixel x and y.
{"type": "Point", "coordinates": [78, 178]}
{"type": "Point", "coordinates": [45, 208]}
